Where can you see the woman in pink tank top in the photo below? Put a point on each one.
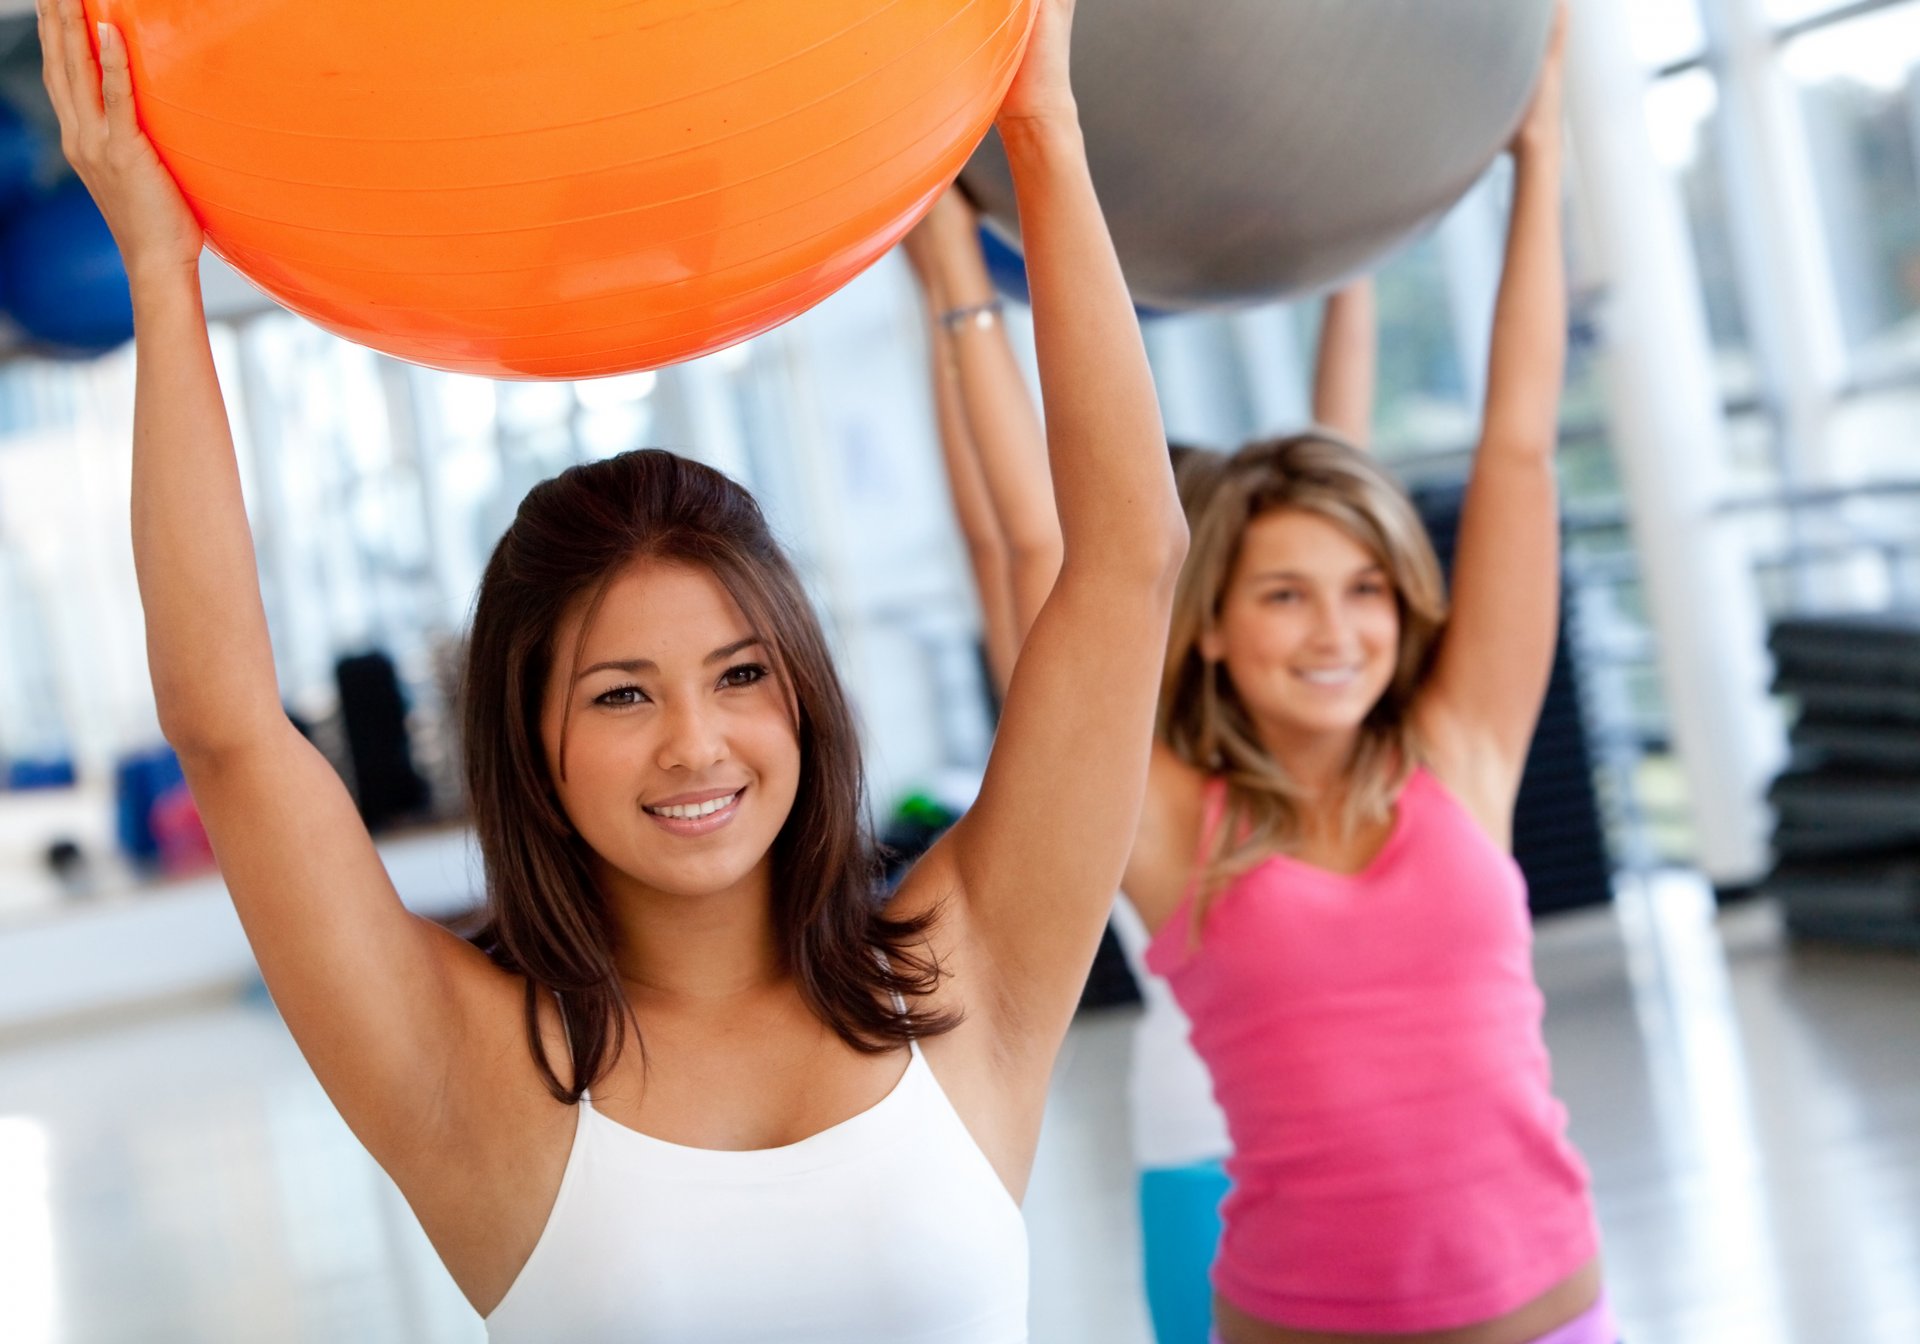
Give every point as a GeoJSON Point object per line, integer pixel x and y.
{"type": "Point", "coordinates": [1323, 861]}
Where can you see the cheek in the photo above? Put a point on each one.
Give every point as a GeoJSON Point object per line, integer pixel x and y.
{"type": "Point", "coordinates": [1260, 639]}
{"type": "Point", "coordinates": [600, 769]}
{"type": "Point", "coordinates": [763, 736]}
{"type": "Point", "coordinates": [1380, 629]}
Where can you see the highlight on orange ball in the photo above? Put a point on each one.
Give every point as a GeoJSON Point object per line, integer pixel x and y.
{"type": "Point", "coordinates": [562, 188]}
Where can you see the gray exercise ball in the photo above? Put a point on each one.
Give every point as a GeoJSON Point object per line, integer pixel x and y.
{"type": "Point", "coordinates": [1251, 149]}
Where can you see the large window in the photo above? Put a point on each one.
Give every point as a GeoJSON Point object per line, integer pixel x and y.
{"type": "Point", "coordinates": [1859, 83]}
{"type": "Point", "coordinates": [1683, 114]}
{"type": "Point", "coordinates": [1665, 32]}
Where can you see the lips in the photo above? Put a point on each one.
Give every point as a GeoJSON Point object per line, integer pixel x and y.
{"type": "Point", "coordinates": [695, 813]}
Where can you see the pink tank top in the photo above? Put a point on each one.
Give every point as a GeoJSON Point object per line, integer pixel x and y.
{"type": "Point", "coordinates": [1400, 1163]}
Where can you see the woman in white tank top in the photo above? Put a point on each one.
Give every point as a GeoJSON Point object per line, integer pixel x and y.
{"type": "Point", "coordinates": [691, 1083]}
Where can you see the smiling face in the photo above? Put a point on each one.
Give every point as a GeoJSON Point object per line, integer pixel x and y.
{"type": "Point", "coordinates": [1308, 628]}
{"type": "Point", "coordinates": [681, 756]}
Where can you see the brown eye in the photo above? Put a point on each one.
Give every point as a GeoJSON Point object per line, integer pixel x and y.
{"type": "Point", "coordinates": [746, 674]}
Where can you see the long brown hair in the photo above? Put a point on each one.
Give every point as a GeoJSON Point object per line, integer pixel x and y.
{"type": "Point", "coordinates": [1202, 717]}
{"type": "Point", "coordinates": [547, 918]}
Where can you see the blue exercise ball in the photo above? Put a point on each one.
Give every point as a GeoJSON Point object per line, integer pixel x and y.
{"type": "Point", "coordinates": [61, 277]}
{"type": "Point", "coordinates": [20, 153]}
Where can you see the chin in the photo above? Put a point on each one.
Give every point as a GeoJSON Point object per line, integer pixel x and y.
{"type": "Point", "coordinates": [1319, 720]}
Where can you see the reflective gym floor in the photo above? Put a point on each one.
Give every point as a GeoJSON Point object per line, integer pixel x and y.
{"type": "Point", "coordinates": [1751, 1113]}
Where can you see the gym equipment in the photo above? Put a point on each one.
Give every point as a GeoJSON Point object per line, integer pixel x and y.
{"type": "Point", "coordinates": [140, 780]}
{"type": "Point", "coordinates": [20, 151]}
{"type": "Point", "coordinates": [373, 708]}
{"type": "Point", "coordinates": [1245, 149]}
{"type": "Point", "coordinates": [61, 277]}
{"type": "Point", "coordinates": [1180, 1231]}
{"type": "Point", "coordinates": [565, 189]}
{"type": "Point", "coordinates": [1847, 841]}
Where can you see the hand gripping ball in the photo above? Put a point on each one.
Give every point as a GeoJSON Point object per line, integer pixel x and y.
{"type": "Point", "coordinates": [1250, 149]}
{"type": "Point", "coordinates": [562, 188]}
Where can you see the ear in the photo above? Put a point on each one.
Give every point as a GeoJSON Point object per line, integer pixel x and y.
{"type": "Point", "coordinates": [1211, 645]}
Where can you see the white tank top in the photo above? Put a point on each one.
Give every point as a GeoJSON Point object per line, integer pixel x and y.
{"type": "Point", "coordinates": [889, 1228]}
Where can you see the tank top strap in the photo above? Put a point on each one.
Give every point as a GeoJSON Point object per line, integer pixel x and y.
{"type": "Point", "coordinates": [900, 1007]}
{"type": "Point", "coordinates": [1213, 810]}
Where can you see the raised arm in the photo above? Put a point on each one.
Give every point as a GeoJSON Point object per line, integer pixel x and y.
{"type": "Point", "coordinates": [1344, 368]}
{"type": "Point", "coordinates": [1033, 866]}
{"type": "Point", "coordinates": [1482, 702]}
{"type": "Point", "coordinates": [365, 987]}
{"type": "Point", "coordinates": [973, 508]}
{"type": "Point", "coordinates": [997, 424]}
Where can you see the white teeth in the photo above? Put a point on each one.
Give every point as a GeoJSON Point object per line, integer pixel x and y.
{"type": "Point", "coordinates": [693, 811]}
{"type": "Point", "coordinates": [1331, 677]}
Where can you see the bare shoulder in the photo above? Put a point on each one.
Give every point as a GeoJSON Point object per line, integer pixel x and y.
{"type": "Point", "coordinates": [1167, 841]}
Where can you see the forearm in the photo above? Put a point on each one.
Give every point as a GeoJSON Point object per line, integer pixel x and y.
{"type": "Point", "coordinates": [1009, 446]}
{"type": "Point", "coordinates": [1343, 373]}
{"type": "Point", "coordinates": [207, 645]}
{"type": "Point", "coordinates": [1527, 361]}
{"type": "Point", "coordinates": [1107, 451]}
{"type": "Point", "coordinates": [973, 512]}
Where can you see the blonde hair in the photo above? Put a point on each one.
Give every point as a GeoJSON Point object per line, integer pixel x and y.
{"type": "Point", "coordinates": [1194, 472]}
{"type": "Point", "coordinates": [1201, 717]}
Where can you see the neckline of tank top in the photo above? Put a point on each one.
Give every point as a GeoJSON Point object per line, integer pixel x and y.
{"type": "Point", "coordinates": [859, 1135]}
{"type": "Point", "coordinates": [1396, 838]}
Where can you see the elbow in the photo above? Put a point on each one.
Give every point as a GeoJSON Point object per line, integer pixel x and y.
{"type": "Point", "coordinates": [1157, 552]}
{"type": "Point", "coordinates": [205, 734]}
{"type": "Point", "coordinates": [201, 746]}
{"type": "Point", "coordinates": [1170, 545]}
{"type": "Point", "coordinates": [1038, 551]}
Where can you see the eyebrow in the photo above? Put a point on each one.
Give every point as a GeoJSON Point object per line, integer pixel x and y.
{"type": "Point", "coordinates": [636, 665]}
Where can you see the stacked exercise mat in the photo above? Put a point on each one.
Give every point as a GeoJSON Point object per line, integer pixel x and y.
{"type": "Point", "coordinates": [1848, 806]}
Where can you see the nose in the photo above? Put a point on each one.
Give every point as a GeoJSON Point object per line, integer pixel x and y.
{"type": "Point", "coordinates": [692, 738]}
{"type": "Point", "coordinates": [1331, 625]}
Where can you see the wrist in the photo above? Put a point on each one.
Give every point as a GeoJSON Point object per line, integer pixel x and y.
{"type": "Point", "coordinates": [978, 316]}
{"type": "Point", "coordinates": [1536, 149]}
{"type": "Point", "coordinates": [164, 293]}
{"type": "Point", "coordinates": [162, 275]}
{"type": "Point", "coordinates": [1047, 133]}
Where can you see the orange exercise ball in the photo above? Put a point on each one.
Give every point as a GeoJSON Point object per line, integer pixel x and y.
{"type": "Point", "coordinates": [562, 188]}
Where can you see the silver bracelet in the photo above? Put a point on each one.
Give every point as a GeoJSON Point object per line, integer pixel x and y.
{"type": "Point", "coordinates": [981, 315]}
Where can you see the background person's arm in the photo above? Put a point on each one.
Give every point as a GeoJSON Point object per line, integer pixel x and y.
{"type": "Point", "coordinates": [996, 419]}
{"type": "Point", "coordinates": [1344, 367]}
{"type": "Point", "coordinates": [1490, 676]}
